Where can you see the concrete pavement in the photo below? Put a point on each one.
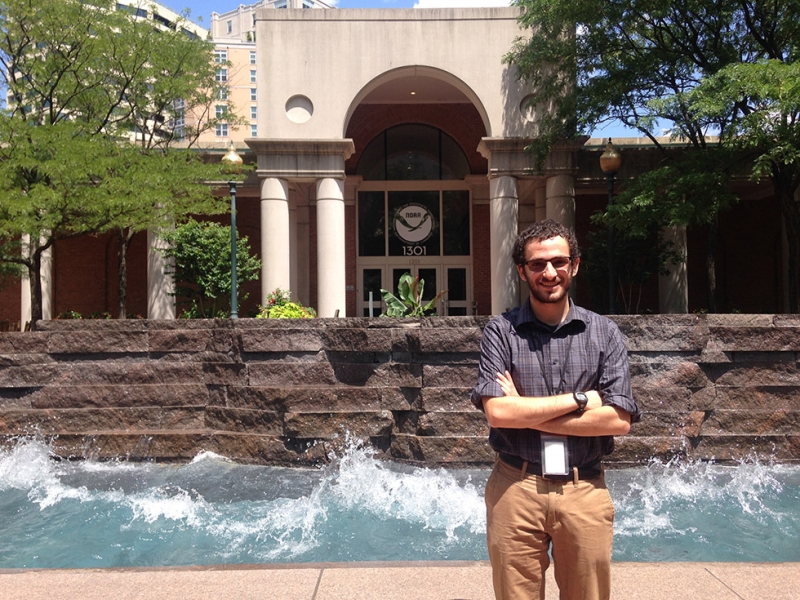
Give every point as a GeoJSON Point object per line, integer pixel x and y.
{"type": "Point", "coordinates": [390, 581]}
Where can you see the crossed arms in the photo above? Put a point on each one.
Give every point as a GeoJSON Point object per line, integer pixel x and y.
{"type": "Point", "coordinates": [553, 414]}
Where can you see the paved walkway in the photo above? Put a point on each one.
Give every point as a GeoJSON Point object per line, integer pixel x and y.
{"type": "Point", "coordinates": [391, 581]}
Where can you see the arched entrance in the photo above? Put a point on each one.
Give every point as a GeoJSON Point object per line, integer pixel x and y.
{"type": "Point", "coordinates": [416, 139]}
{"type": "Point", "coordinates": [414, 215]}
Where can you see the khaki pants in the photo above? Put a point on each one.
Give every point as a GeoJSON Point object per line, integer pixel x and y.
{"type": "Point", "coordinates": [525, 513]}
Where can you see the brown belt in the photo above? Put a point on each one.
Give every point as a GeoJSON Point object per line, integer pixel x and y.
{"type": "Point", "coordinates": [586, 472]}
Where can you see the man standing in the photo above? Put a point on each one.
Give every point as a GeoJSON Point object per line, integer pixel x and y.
{"type": "Point", "coordinates": [555, 387]}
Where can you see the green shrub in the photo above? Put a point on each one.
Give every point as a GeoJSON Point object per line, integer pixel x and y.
{"type": "Point", "coordinates": [280, 306]}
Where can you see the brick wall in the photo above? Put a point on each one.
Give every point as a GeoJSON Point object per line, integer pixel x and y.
{"type": "Point", "coordinates": [283, 392]}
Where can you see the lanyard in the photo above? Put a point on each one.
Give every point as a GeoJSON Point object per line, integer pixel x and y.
{"type": "Point", "coordinates": [547, 373]}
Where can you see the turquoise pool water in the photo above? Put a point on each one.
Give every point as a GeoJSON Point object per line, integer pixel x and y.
{"type": "Point", "coordinates": [212, 511]}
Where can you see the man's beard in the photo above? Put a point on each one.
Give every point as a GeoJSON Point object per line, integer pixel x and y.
{"type": "Point", "coordinates": [539, 294]}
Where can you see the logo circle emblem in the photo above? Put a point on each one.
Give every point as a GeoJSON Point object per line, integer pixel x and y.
{"type": "Point", "coordinates": [413, 223]}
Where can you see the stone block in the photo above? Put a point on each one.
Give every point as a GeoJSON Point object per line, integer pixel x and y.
{"type": "Point", "coordinates": [217, 373]}
{"type": "Point", "coordinates": [752, 338]}
{"type": "Point", "coordinates": [137, 395]}
{"type": "Point", "coordinates": [738, 448]}
{"type": "Point", "coordinates": [632, 449]}
{"type": "Point", "coordinates": [744, 376]}
{"type": "Point", "coordinates": [438, 376]}
{"type": "Point", "coordinates": [378, 375]}
{"type": "Point", "coordinates": [89, 420]}
{"type": "Point", "coordinates": [131, 372]}
{"type": "Point", "coordinates": [752, 398]}
{"type": "Point", "coordinates": [23, 342]}
{"type": "Point", "coordinates": [472, 423]}
{"type": "Point", "coordinates": [446, 399]}
{"type": "Point", "coordinates": [663, 398]}
{"type": "Point", "coordinates": [280, 374]}
{"type": "Point", "coordinates": [668, 374]}
{"type": "Point", "coordinates": [752, 422]}
{"type": "Point", "coordinates": [244, 420]}
{"type": "Point", "coordinates": [443, 450]}
{"type": "Point", "coordinates": [281, 340]}
{"type": "Point", "coordinates": [181, 340]}
{"type": "Point", "coordinates": [453, 340]}
{"type": "Point", "coordinates": [35, 375]}
{"type": "Point", "coordinates": [104, 341]}
{"type": "Point", "coordinates": [380, 341]}
{"type": "Point", "coordinates": [664, 423]}
{"type": "Point", "coordinates": [323, 425]}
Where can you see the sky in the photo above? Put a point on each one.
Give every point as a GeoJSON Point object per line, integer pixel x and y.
{"type": "Point", "coordinates": [204, 8]}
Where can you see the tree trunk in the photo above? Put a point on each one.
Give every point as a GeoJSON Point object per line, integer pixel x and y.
{"type": "Point", "coordinates": [124, 236]}
{"type": "Point", "coordinates": [786, 188]}
{"type": "Point", "coordinates": [711, 265]}
{"type": "Point", "coordinates": [35, 278]}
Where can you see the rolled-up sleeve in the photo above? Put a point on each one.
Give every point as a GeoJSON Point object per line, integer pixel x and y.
{"type": "Point", "coordinates": [615, 379]}
{"type": "Point", "coordinates": [495, 358]}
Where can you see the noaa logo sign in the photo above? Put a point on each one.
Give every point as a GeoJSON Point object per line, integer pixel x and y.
{"type": "Point", "coordinates": [413, 223]}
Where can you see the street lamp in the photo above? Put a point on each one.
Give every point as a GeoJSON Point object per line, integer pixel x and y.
{"type": "Point", "coordinates": [610, 162]}
{"type": "Point", "coordinates": [232, 165]}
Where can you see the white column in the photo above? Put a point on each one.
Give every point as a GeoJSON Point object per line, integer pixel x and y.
{"type": "Point", "coordinates": [25, 288]}
{"type": "Point", "coordinates": [503, 225]}
{"type": "Point", "coordinates": [47, 284]}
{"type": "Point", "coordinates": [331, 274]}
{"type": "Point", "coordinates": [45, 279]}
{"type": "Point", "coordinates": [160, 286]}
{"type": "Point", "coordinates": [293, 257]}
{"type": "Point", "coordinates": [673, 289]}
{"type": "Point", "coordinates": [275, 239]}
{"type": "Point", "coordinates": [560, 202]}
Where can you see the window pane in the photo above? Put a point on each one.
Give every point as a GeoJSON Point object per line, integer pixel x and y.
{"type": "Point", "coordinates": [371, 224]}
{"type": "Point", "coordinates": [372, 283]}
{"type": "Point", "coordinates": [428, 276]}
{"type": "Point", "coordinates": [414, 224]}
{"type": "Point", "coordinates": [455, 223]}
{"type": "Point", "coordinates": [456, 285]}
{"type": "Point", "coordinates": [412, 152]}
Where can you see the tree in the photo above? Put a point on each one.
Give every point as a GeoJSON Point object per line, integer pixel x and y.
{"type": "Point", "coordinates": [85, 81]}
{"type": "Point", "coordinates": [202, 273]}
{"type": "Point", "coordinates": [650, 63]}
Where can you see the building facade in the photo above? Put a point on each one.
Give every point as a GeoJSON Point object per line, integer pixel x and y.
{"type": "Point", "coordinates": [393, 141]}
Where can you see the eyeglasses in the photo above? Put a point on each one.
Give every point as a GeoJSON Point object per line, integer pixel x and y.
{"type": "Point", "coordinates": [538, 265]}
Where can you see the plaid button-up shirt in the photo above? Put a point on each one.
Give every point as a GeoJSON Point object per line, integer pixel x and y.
{"type": "Point", "coordinates": [587, 349]}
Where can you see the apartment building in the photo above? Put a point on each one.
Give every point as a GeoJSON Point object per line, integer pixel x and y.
{"type": "Point", "coordinates": [234, 36]}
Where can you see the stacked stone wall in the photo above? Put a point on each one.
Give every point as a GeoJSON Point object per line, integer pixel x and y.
{"type": "Point", "coordinates": [287, 392]}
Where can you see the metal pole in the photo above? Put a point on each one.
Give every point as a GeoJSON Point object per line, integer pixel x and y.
{"type": "Point", "coordinates": [612, 287]}
{"type": "Point", "coordinates": [234, 289]}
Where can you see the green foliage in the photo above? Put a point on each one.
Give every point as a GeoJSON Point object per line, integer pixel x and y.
{"type": "Point", "coordinates": [85, 141]}
{"type": "Point", "coordinates": [720, 75]}
{"type": "Point", "coordinates": [638, 257]}
{"type": "Point", "coordinates": [202, 268]}
{"type": "Point", "coordinates": [280, 306]}
{"type": "Point", "coordinates": [409, 303]}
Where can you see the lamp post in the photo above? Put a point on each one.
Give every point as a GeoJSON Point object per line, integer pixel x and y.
{"type": "Point", "coordinates": [232, 164]}
{"type": "Point", "coordinates": [610, 162]}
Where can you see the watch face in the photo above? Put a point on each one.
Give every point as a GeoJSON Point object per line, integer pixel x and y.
{"type": "Point", "coordinates": [582, 399]}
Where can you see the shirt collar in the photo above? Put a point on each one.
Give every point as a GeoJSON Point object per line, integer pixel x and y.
{"type": "Point", "coordinates": [525, 315]}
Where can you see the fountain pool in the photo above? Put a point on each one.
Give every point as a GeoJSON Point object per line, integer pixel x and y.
{"type": "Point", "coordinates": [58, 514]}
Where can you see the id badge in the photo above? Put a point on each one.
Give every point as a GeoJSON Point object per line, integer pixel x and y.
{"type": "Point", "coordinates": [554, 455]}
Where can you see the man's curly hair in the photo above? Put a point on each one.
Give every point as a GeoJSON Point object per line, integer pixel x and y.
{"type": "Point", "coordinates": [540, 231]}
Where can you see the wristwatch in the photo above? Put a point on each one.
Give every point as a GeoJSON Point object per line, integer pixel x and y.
{"type": "Point", "coordinates": [581, 400]}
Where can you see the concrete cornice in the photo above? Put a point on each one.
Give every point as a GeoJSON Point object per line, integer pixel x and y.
{"type": "Point", "coordinates": [391, 14]}
{"type": "Point", "coordinates": [508, 156]}
{"type": "Point", "coordinates": [344, 148]}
